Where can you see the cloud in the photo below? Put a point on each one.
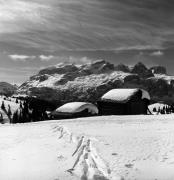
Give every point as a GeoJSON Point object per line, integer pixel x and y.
{"type": "Point", "coordinates": [86, 25]}
{"type": "Point", "coordinates": [23, 58]}
{"type": "Point", "coordinates": [17, 74]}
{"type": "Point", "coordinates": [46, 58]}
{"type": "Point", "coordinates": [19, 70]}
{"type": "Point", "coordinates": [78, 25]}
{"type": "Point", "coordinates": [157, 53]}
{"type": "Point", "coordinates": [138, 47]}
{"type": "Point", "coordinates": [66, 59]}
{"type": "Point", "coordinates": [13, 13]}
{"type": "Point", "coordinates": [77, 60]}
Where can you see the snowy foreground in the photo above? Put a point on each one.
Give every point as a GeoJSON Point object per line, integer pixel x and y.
{"type": "Point", "coordinates": [97, 148]}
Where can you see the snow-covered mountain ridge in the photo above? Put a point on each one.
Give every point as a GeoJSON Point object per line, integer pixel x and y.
{"type": "Point", "coordinates": [69, 82]}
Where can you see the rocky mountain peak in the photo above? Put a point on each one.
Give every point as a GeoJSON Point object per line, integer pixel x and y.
{"type": "Point", "coordinates": [60, 68]}
{"type": "Point", "coordinates": [158, 70]}
{"type": "Point", "coordinates": [122, 67]}
{"type": "Point", "coordinates": [142, 70]}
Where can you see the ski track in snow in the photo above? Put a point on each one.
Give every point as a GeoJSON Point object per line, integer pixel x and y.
{"type": "Point", "coordinates": [88, 164]}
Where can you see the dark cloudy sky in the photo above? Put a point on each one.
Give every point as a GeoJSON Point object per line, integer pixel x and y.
{"type": "Point", "coordinates": [39, 33]}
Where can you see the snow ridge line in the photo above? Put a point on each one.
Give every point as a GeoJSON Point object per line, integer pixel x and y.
{"type": "Point", "coordinates": [88, 163]}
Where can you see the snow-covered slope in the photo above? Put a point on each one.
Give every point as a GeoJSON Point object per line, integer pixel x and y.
{"type": "Point", "coordinates": [167, 78]}
{"type": "Point", "coordinates": [95, 148]}
{"type": "Point", "coordinates": [69, 82]}
{"type": "Point", "coordinates": [8, 102]}
{"type": "Point", "coordinates": [11, 102]}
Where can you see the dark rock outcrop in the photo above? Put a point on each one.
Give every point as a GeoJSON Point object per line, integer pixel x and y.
{"type": "Point", "coordinates": [158, 70]}
{"type": "Point", "coordinates": [122, 67]}
{"type": "Point", "coordinates": [142, 70]}
{"type": "Point", "coordinates": [59, 69]}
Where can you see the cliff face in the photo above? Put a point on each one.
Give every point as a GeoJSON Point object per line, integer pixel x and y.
{"type": "Point", "coordinates": [69, 82]}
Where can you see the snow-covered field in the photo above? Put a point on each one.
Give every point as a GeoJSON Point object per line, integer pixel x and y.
{"type": "Point", "coordinates": [97, 148]}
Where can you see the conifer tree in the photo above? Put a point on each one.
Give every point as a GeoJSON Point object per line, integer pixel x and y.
{"type": "Point", "coordinates": [15, 118]}
{"type": "Point", "coordinates": [154, 109]}
{"type": "Point", "coordinates": [16, 101]}
{"type": "Point", "coordinates": [3, 105]}
{"type": "Point", "coordinates": [9, 111]}
{"type": "Point", "coordinates": [21, 105]}
{"type": "Point", "coordinates": [1, 118]}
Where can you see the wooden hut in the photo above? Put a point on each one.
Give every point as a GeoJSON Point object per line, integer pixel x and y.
{"type": "Point", "coordinates": [124, 102]}
{"type": "Point", "coordinates": [74, 110]}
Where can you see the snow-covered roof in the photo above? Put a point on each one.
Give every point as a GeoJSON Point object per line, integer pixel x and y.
{"type": "Point", "coordinates": [20, 95]}
{"type": "Point", "coordinates": [123, 95]}
{"type": "Point", "coordinates": [74, 107]}
{"type": "Point", "coordinates": [145, 94]}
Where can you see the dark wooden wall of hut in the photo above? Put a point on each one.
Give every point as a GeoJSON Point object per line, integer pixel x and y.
{"type": "Point", "coordinates": [137, 107]}
{"type": "Point", "coordinates": [127, 108]}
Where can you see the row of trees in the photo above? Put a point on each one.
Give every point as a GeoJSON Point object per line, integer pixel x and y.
{"type": "Point", "coordinates": [1, 118]}
{"type": "Point", "coordinates": [164, 110]}
{"type": "Point", "coordinates": [29, 111]}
